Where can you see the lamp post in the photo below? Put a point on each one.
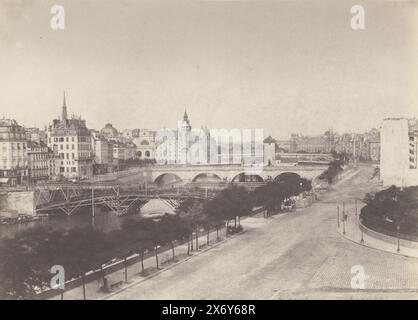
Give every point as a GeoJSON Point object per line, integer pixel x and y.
{"type": "Point", "coordinates": [343, 225]}
{"type": "Point", "coordinates": [355, 203]}
{"type": "Point", "coordinates": [92, 201]}
{"type": "Point", "coordinates": [338, 216]}
{"type": "Point", "coordinates": [344, 217]}
{"type": "Point", "coordinates": [398, 227]}
{"type": "Point", "coordinates": [361, 230]}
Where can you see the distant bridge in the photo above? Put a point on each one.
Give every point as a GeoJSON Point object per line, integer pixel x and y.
{"type": "Point", "coordinates": [220, 173]}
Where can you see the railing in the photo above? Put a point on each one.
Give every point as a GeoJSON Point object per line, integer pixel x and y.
{"type": "Point", "coordinates": [378, 225]}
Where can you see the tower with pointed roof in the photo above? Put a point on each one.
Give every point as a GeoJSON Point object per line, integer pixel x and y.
{"type": "Point", "coordinates": [70, 140]}
{"type": "Point", "coordinates": [183, 138]}
{"type": "Point", "coordinates": [185, 124]}
{"type": "Point", "coordinates": [64, 116]}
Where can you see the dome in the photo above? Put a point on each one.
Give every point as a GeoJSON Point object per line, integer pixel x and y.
{"type": "Point", "coordinates": [8, 123]}
{"type": "Point", "coordinates": [109, 131]}
{"type": "Point", "coordinates": [144, 143]}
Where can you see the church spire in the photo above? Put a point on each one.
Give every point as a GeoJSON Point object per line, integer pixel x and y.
{"type": "Point", "coordinates": [64, 109]}
{"type": "Point", "coordinates": [185, 126]}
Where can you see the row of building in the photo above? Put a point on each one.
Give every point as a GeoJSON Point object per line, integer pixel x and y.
{"type": "Point", "coordinates": [184, 145]}
{"type": "Point", "coordinates": [18, 155]}
{"type": "Point", "coordinates": [67, 148]}
{"type": "Point", "coordinates": [394, 146]}
{"type": "Point", "coordinates": [360, 147]}
{"type": "Point", "coordinates": [364, 146]}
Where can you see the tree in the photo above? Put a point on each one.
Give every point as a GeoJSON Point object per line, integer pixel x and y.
{"type": "Point", "coordinates": [171, 228]}
{"type": "Point", "coordinates": [26, 261]}
{"type": "Point", "coordinates": [138, 233]}
{"type": "Point", "coordinates": [305, 184]}
{"type": "Point", "coordinates": [191, 211]}
{"type": "Point", "coordinates": [123, 247]}
{"type": "Point", "coordinates": [268, 196]}
{"type": "Point", "coordinates": [392, 207]}
{"type": "Point", "coordinates": [229, 204]}
{"type": "Point", "coordinates": [19, 279]}
{"type": "Point", "coordinates": [211, 222]}
{"type": "Point", "coordinates": [272, 195]}
{"type": "Point", "coordinates": [334, 168]}
{"type": "Point", "coordinates": [342, 156]}
{"type": "Point", "coordinates": [86, 249]}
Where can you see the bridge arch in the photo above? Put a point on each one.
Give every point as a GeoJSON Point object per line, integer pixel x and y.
{"type": "Point", "coordinates": [287, 176]}
{"type": "Point", "coordinates": [245, 177]}
{"type": "Point", "coordinates": [167, 179]}
{"type": "Point", "coordinates": [207, 177]}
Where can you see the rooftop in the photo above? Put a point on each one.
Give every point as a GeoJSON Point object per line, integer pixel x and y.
{"type": "Point", "coordinates": [8, 122]}
{"type": "Point", "coordinates": [34, 144]}
{"type": "Point", "coordinates": [269, 139]}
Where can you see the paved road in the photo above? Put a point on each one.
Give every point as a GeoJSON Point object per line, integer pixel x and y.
{"type": "Point", "coordinates": [293, 256]}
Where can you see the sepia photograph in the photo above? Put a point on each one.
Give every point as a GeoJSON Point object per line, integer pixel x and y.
{"type": "Point", "coordinates": [208, 151]}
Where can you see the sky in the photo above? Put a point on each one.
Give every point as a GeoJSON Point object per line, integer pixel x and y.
{"type": "Point", "coordinates": [284, 66]}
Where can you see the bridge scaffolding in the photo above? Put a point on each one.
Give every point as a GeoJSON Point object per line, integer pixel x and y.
{"type": "Point", "coordinates": [70, 197]}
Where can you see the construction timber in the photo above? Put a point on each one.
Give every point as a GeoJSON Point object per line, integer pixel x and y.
{"type": "Point", "coordinates": [68, 198]}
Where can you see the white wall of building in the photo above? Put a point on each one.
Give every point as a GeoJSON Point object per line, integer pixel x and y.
{"type": "Point", "coordinates": [394, 154]}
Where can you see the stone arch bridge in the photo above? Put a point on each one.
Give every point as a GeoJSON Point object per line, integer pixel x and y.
{"type": "Point", "coordinates": [221, 173]}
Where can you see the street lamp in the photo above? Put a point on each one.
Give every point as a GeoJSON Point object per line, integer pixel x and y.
{"type": "Point", "coordinates": [361, 229]}
{"type": "Point", "coordinates": [338, 216]}
{"type": "Point", "coordinates": [398, 227]}
{"type": "Point", "coordinates": [344, 217]}
{"type": "Point", "coordinates": [355, 202]}
{"type": "Point", "coordinates": [343, 223]}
